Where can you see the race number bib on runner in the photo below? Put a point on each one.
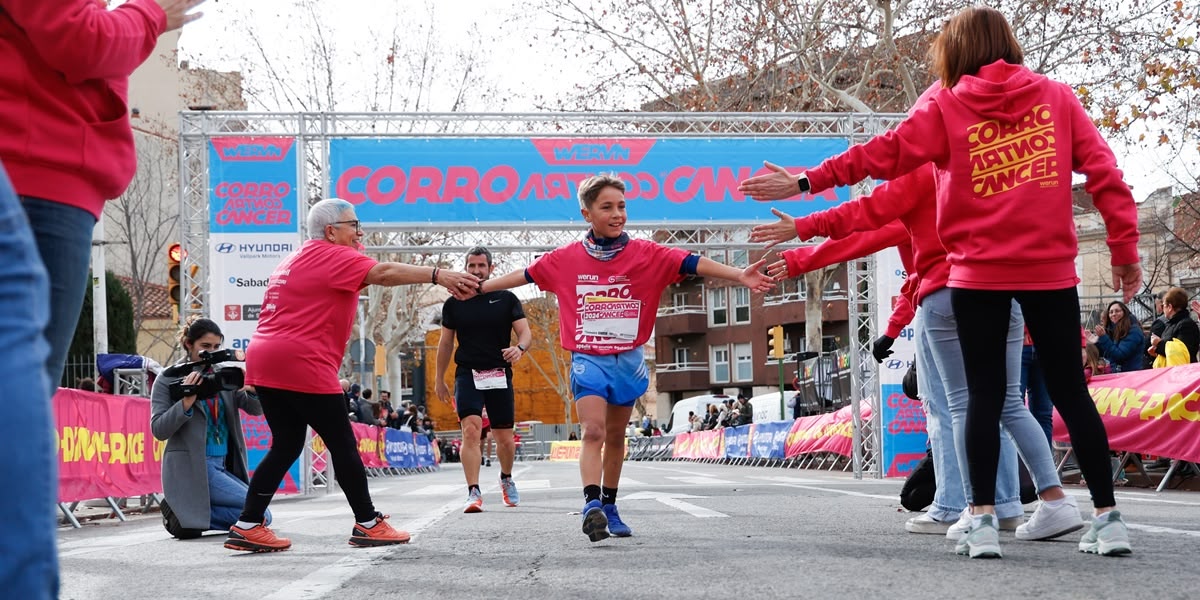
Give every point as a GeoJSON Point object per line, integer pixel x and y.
{"type": "Point", "coordinates": [612, 318]}
{"type": "Point", "coordinates": [491, 379]}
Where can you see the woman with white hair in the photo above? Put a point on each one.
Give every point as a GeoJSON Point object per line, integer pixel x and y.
{"type": "Point", "coordinates": [293, 360]}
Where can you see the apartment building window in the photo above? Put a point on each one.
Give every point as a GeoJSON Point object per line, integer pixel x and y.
{"type": "Point", "coordinates": [739, 258]}
{"type": "Point", "coordinates": [718, 306]}
{"type": "Point", "coordinates": [717, 255]}
{"type": "Point", "coordinates": [743, 362]}
{"type": "Point", "coordinates": [720, 364]}
{"type": "Point", "coordinates": [679, 299]}
{"type": "Point", "coordinates": [681, 356]}
{"type": "Point", "coordinates": [741, 305]}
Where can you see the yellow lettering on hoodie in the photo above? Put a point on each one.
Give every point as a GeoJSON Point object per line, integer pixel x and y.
{"type": "Point", "coordinates": [1007, 155]}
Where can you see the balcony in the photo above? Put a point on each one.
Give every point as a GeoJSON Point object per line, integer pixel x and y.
{"type": "Point", "coordinates": [672, 377]}
{"type": "Point", "coordinates": [681, 320]}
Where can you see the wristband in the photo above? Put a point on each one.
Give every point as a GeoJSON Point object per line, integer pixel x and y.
{"type": "Point", "coordinates": [521, 348]}
{"type": "Point", "coordinates": [434, 277]}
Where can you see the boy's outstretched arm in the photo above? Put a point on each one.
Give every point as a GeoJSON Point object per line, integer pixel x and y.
{"type": "Point", "coordinates": [751, 277]}
{"type": "Point", "coordinates": [505, 282]}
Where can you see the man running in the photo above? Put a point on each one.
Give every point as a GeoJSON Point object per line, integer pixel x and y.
{"type": "Point", "coordinates": [483, 326]}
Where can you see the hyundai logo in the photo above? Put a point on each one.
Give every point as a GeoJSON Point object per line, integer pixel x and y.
{"type": "Point", "coordinates": [225, 248]}
{"type": "Point", "coordinates": [895, 364]}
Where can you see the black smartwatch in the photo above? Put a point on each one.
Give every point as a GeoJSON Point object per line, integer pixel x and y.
{"type": "Point", "coordinates": [802, 182]}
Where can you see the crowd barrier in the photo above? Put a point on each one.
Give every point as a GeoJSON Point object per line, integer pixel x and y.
{"type": "Point", "coordinates": [105, 450]}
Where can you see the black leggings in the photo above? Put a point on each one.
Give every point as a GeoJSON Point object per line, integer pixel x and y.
{"type": "Point", "coordinates": [1052, 317]}
{"type": "Point", "coordinates": [289, 414]}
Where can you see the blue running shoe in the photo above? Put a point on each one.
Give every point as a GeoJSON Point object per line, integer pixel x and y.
{"type": "Point", "coordinates": [616, 526]}
{"type": "Point", "coordinates": [595, 525]}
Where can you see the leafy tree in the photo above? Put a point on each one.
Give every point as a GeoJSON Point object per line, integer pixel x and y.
{"type": "Point", "coordinates": [122, 337]}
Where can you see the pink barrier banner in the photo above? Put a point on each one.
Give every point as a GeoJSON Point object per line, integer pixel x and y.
{"type": "Point", "coordinates": [370, 445]}
{"type": "Point", "coordinates": [1156, 411]}
{"type": "Point", "coordinates": [830, 432]}
{"type": "Point", "coordinates": [258, 443]}
{"type": "Point", "coordinates": [104, 446]}
{"type": "Point", "coordinates": [700, 444]}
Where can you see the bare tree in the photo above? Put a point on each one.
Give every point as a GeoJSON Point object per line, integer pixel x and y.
{"type": "Point", "coordinates": [145, 219]}
{"type": "Point", "coordinates": [549, 358]}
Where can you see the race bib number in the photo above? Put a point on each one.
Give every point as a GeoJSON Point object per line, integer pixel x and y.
{"type": "Point", "coordinates": [491, 379]}
{"type": "Point", "coordinates": [612, 318]}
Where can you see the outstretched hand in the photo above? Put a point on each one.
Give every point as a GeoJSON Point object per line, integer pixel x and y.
{"type": "Point", "coordinates": [776, 185]}
{"type": "Point", "coordinates": [460, 285]}
{"type": "Point", "coordinates": [753, 278]}
{"type": "Point", "coordinates": [177, 12]}
{"type": "Point", "coordinates": [775, 233]}
{"type": "Point", "coordinates": [778, 270]}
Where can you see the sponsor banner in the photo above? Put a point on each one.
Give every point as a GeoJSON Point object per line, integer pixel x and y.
{"type": "Point", "coordinates": [425, 456]}
{"type": "Point", "coordinates": [104, 446]}
{"type": "Point", "coordinates": [737, 441]}
{"type": "Point", "coordinates": [398, 449]}
{"type": "Point", "coordinates": [903, 431]}
{"type": "Point", "coordinates": [513, 180]}
{"type": "Point", "coordinates": [903, 422]}
{"type": "Point", "coordinates": [258, 442]}
{"type": "Point", "coordinates": [252, 185]}
{"type": "Point", "coordinates": [240, 265]}
{"type": "Point", "coordinates": [568, 450]}
{"type": "Point", "coordinates": [768, 440]}
{"type": "Point", "coordinates": [1156, 411]}
{"type": "Point", "coordinates": [370, 445]}
{"type": "Point", "coordinates": [830, 432]}
{"type": "Point", "coordinates": [699, 444]}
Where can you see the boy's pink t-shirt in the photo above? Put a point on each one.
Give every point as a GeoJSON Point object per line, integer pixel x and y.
{"type": "Point", "coordinates": [307, 313]}
{"type": "Point", "coordinates": [615, 301]}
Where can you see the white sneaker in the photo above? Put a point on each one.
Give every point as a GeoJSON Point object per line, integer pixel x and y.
{"type": "Point", "coordinates": [960, 527]}
{"type": "Point", "coordinates": [925, 523]}
{"type": "Point", "coordinates": [1048, 522]}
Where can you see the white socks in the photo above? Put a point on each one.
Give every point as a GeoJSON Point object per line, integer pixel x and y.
{"type": "Point", "coordinates": [246, 525]}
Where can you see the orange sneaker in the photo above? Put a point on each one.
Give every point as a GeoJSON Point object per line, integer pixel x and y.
{"type": "Point", "coordinates": [256, 539]}
{"type": "Point", "coordinates": [379, 534]}
{"type": "Point", "coordinates": [474, 503]}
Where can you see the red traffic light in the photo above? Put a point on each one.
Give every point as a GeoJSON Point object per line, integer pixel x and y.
{"type": "Point", "coordinates": [176, 253]}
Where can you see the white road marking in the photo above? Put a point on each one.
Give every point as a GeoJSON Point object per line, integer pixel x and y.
{"type": "Point", "coordinates": [781, 479]}
{"type": "Point", "coordinates": [438, 490]}
{"type": "Point", "coordinates": [701, 480]}
{"type": "Point", "coordinates": [673, 500]}
{"type": "Point", "coordinates": [845, 492]}
{"type": "Point", "coordinates": [534, 484]}
{"type": "Point", "coordinates": [1157, 529]}
{"type": "Point", "coordinates": [327, 579]}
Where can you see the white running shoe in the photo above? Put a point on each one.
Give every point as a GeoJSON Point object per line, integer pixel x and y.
{"type": "Point", "coordinates": [960, 528]}
{"type": "Point", "coordinates": [1048, 522]}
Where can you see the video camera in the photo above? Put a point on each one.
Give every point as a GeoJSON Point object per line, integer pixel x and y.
{"type": "Point", "coordinates": [215, 379]}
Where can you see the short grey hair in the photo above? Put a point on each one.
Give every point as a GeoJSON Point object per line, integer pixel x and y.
{"type": "Point", "coordinates": [323, 213]}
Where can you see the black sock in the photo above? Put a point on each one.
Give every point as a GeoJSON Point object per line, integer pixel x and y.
{"type": "Point", "coordinates": [608, 495]}
{"type": "Point", "coordinates": [591, 492]}
{"type": "Point", "coordinates": [473, 488]}
{"type": "Point", "coordinates": [504, 476]}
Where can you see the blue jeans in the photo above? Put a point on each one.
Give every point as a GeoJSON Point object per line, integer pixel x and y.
{"type": "Point", "coordinates": [1033, 381]}
{"type": "Point", "coordinates": [943, 386]}
{"type": "Point", "coordinates": [64, 242]}
{"type": "Point", "coordinates": [226, 495]}
{"type": "Point", "coordinates": [29, 469]}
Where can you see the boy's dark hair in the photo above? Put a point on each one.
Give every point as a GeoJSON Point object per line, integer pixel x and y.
{"type": "Point", "coordinates": [480, 251]}
{"type": "Point", "coordinates": [590, 188]}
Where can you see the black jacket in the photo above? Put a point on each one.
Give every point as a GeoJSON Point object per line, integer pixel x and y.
{"type": "Point", "coordinates": [1181, 327]}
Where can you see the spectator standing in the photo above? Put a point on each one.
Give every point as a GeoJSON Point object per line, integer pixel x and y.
{"type": "Point", "coordinates": [1119, 338]}
{"type": "Point", "coordinates": [996, 253]}
{"type": "Point", "coordinates": [745, 411]}
{"type": "Point", "coordinates": [30, 565]}
{"type": "Point", "coordinates": [1179, 326]}
{"type": "Point", "coordinates": [308, 311]}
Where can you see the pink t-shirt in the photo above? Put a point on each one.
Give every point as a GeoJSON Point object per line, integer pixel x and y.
{"type": "Point", "coordinates": [616, 301]}
{"type": "Point", "coordinates": [307, 313]}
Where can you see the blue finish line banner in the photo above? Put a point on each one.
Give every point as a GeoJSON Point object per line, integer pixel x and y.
{"type": "Point", "coordinates": [515, 180]}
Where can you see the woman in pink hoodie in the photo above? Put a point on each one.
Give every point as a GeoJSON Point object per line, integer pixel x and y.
{"type": "Point", "coordinates": [1004, 141]}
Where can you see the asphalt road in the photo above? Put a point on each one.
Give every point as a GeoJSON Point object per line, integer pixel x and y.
{"type": "Point", "coordinates": [700, 531]}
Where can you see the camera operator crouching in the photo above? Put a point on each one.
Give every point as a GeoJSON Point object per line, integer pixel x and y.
{"type": "Point", "coordinates": [194, 408]}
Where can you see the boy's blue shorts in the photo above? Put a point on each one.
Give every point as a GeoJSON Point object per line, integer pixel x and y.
{"type": "Point", "coordinates": [618, 378]}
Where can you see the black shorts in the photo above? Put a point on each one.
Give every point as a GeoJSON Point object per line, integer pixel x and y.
{"type": "Point", "coordinates": [470, 401]}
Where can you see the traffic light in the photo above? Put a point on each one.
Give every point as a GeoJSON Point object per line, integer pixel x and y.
{"type": "Point", "coordinates": [776, 342]}
{"type": "Point", "coordinates": [174, 274]}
